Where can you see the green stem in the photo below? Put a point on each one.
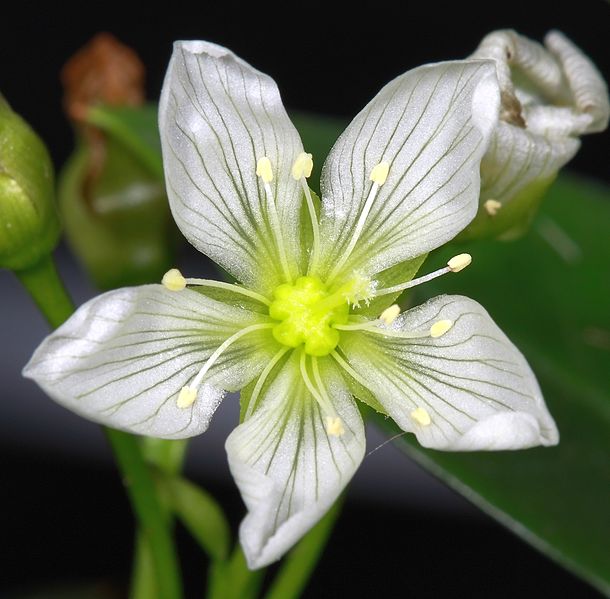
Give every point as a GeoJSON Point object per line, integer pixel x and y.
{"type": "Point", "coordinates": [48, 292]}
{"type": "Point", "coordinates": [151, 514]}
{"type": "Point", "coordinates": [299, 564]}
{"type": "Point", "coordinates": [143, 581]}
{"type": "Point", "coordinates": [168, 456]}
{"type": "Point", "coordinates": [233, 579]}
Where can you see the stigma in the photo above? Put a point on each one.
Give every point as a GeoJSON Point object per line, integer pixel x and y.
{"type": "Point", "coordinates": [307, 312]}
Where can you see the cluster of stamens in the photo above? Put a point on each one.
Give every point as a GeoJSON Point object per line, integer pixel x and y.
{"type": "Point", "coordinates": [309, 313]}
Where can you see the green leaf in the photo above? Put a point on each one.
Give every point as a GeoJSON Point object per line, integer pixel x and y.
{"type": "Point", "coordinates": [547, 292]}
{"type": "Point", "coordinates": [199, 513]}
{"type": "Point", "coordinates": [136, 128]}
{"type": "Point", "coordinates": [232, 579]}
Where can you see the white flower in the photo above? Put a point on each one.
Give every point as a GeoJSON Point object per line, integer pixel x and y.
{"type": "Point", "coordinates": [550, 96]}
{"type": "Point", "coordinates": [312, 323]}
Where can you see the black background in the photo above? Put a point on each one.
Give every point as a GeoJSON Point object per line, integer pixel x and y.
{"type": "Point", "coordinates": [65, 520]}
{"type": "Point", "coordinates": [326, 58]}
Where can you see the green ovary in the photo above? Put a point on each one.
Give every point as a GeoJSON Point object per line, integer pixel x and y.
{"type": "Point", "coordinates": [307, 311]}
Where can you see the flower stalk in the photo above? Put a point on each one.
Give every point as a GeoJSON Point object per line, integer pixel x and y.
{"type": "Point", "coordinates": [154, 543]}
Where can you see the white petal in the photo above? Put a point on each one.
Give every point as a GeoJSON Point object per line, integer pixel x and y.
{"type": "Point", "coordinates": [288, 469]}
{"type": "Point", "coordinates": [123, 357]}
{"type": "Point", "coordinates": [218, 116]}
{"type": "Point", "coordinates": [472, 383]}
{"type": "Point", "coordinates": [517, 157]}
{"type": "Point", "coordinates": [587, 86]}
{"type": "Point", "coordinates": [431, 126]}
{"type": "Point", "coordinates": [550, 96]}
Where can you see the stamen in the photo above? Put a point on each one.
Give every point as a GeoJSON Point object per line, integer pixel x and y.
{"type": "Point", "coordinates": [319, 395]}
{"type": "Point", "coordinates": [379, 174]}
{"type": "Point", "coordinates": [389, 315]}
{"type": "Point", "coordinates": [371, 327]}
{"type": "Point", "coordinates": [229, 287]}
{"type": "Point", "coordinates": [301, 170]}
{"type": "Point", "coordinates": [189, 392]}
{"type": "Point", "coordinates": [346, 366]}
{"type": "Point", "coordinates": [186, 397]}
{"type": "Point", "coordinates": [366, 325]}
{"type": "Point", "coordinates": [173, 280]}
{"type": "Point", "coordinates": [492, 206]}
{"type": "Point", "coordinates": [438, 329]}
{"type": "Point", "coordinates": [334, 426]}
{"type": "Point", "coordinates": [265, 172]}
{"type": "Point", "coordinates": [302, 167]}
{"type": "Point", "coordinates": [421, 416]}
{"type": "Point", "coordinates": [456, 264]}
{"type": "Point", "coordinates": [262, 379]}
{"type": "Point", "coordinates": [459, 262]}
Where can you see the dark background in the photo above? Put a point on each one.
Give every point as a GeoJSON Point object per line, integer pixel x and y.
{"type": "Point", "coordinates": [64, 517]}
{"type": "Point", "coordinates": [325, 58]}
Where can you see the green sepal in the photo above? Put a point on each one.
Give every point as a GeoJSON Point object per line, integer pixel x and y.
{"type": "Point", "coordinates": [29, 222]}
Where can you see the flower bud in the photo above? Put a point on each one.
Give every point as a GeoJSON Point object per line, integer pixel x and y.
{"type": "Point", "coordinates": [550, 96]}
{"type": "Point", "coordinates": [29, 224]}
{"type": "Point", "coordinates": [113, 204]}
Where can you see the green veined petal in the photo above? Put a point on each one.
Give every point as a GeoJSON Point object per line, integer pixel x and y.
{"type": "Point", "coordinates": [447, 373]}
{"type": "Point", "coordinates": [218, 117]}
{"type": "Point", "coordinates": [288, 468]}
{"type": "Point", "coordinates": [123, 357]}
{"type": "Point", "coordinates": [430, 127]}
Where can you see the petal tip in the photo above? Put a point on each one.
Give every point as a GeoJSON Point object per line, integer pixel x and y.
{"type": "Point", "coordinates": [506, 431]}
{"type": "Point", "coordinates": [202, 47]}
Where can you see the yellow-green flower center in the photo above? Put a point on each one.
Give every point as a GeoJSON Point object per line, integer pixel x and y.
{"type": "Point", "coordinates": [307, 311]}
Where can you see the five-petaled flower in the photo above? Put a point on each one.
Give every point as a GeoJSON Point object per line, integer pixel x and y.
{"type": "Point", "coordinates": [312, 323]}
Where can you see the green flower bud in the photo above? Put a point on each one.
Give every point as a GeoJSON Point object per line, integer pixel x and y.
{"type": "Point", "coordinates": [117, 220]}
{"type": "Point", "coordinates": [550, 96]}
{"type": "Point", "coordinates": [111, 192]}
{"type": "Point", "coordinates": [29, 223]}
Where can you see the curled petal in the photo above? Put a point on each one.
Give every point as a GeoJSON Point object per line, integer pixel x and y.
{"type": "Point", "coordinates": [289, 469]}
{"type": "Point", "coordinates": [218, 119]}
{"type": "Point", "coordinates": [467, 388]}
{"type": "Point", "coordinates": [549, 97]}
{"type": "Point", "coordinates": [589, 90]}
{"type": "Point", "coordinates": [123, 357]}
{"type": "Point", "coordinates": [404, 176]}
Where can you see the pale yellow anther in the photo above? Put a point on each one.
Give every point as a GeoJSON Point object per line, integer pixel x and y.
{"type": "Point", "coordinates": [186, 397]}
{"type": "Point", "coordinates": [334, 426]}
{"type": "Point", "coordinates": [390, 314]}
{"type": "Point", "coordinates": [173, 280]}
{"type": "Point", "coordinates": [421, 416]}
{"type": "Point", "coordinates": [264, 170]}
{"type": "Point", "coordinates": [439, 328]}
{"type": "Point", "coordinates": [380, 173]}
{"type": "Point", "coordinates": [302, 166]}
{"type": "Point", "coordinates": [492, 207]}
{"type": "Point", "coordinates": [459, 262]}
